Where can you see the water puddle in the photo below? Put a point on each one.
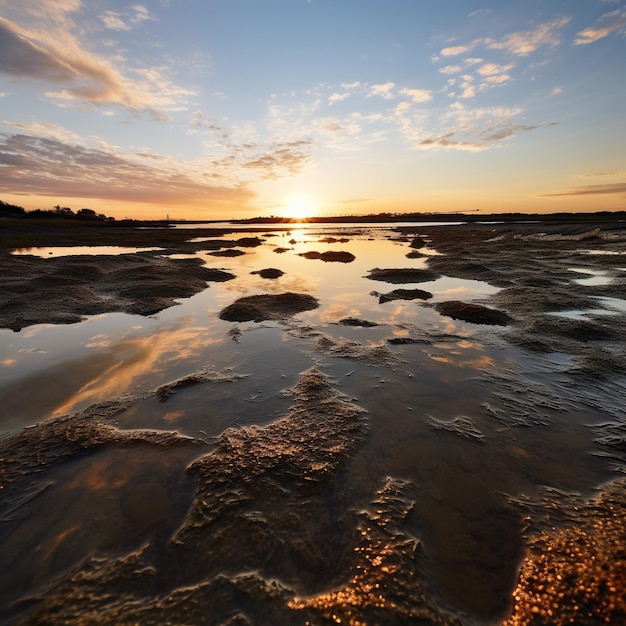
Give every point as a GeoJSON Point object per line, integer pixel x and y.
{"type": "Point", "coordinates": [596, 278]}
{"type": "Point", "coordinates": [59, 251]}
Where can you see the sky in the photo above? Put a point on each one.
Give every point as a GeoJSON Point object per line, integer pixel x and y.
{"type": "Point", "coordinates": [218, 109]}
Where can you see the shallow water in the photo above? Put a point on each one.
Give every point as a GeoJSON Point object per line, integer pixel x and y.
{"type": "Point", "coordinates": [459, 427]}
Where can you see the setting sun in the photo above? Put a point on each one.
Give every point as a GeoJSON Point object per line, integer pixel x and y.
{"type": "Point", "coordinates": [299, 207]}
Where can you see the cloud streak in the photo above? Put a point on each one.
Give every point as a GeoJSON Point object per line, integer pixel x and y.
{"type": "Point", "coordinates": [51, 164]}
{"type": "Point", "coordinates": [616, 21]}
{"type": "Point", "coordinates": [50, 53]}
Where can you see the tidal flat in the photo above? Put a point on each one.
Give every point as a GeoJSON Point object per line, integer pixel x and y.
{"type": "Point", "coordinates": [314, 424]}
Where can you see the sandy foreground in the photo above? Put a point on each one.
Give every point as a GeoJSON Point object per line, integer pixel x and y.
{"type": "Point", "coordinates": [573, 571]}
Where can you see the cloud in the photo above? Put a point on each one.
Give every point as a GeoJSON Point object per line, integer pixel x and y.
{"type": "Point", "coordinates": [54, 56]}
{"type": "Point", "coordinates": [616, 21]}
{"type": "Point", "coordinates": [141, 14]}
{"type": "Point", "coordinates": [51, 163]}
{"type": "Point", "coordinates": [490, 69]}
{"type": "Point", "coordinates": [417, 96]}
{"type": "Point", "coordinates": [113, 21]}
{"type": "Point", "coordinates": [383, 90]}
{"type": "Point", "coordinates": [602, 174]}
{"type": "Point", "coordinates": [476, 129]}
{"type": "Point", "coordinates": [46, 166]}
{"type": "Point", "coordinates": [287, 158]}
{"type": "Point", "coordinates": [451, 69]}
{"type": "Point", "coordinates": [592, 190]}
{"type": "Point", "coordinates": [337, 97]}
{"type": "Point", "coordinates": [524, 43]}
{"type": "Point", "coordinates": [456, 50]}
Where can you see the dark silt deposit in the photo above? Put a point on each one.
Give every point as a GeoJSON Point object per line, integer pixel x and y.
{"type": "Point", "coordinates": [475, 313]}
{"type": "Point", "coordinates": [268, 307]}
{"type": "Point", "coordinates": [269, 272]}
{"type": "Point", "coordinates": [403, 294]}
{"type": "Point", "coordinates": [450, 450]}
{"type": "Point", "coordinates": [330, 256]}
{"type": "Point", "coordinates": [402, 275]}
{"type": "Point", "coordinates": [63, 290]}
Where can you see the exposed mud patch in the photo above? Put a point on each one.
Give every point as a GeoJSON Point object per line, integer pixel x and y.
{"type": "Point", "coordinates": [402, 294]}
{"type": "Point", "coordinates": [263, 484]}
{"type": "Point", "coordinates": [207, 375]}
{"type": "Point", "coordinates": [330, 256]}
{"type": "Point", "coordinates": [357, 321]}
{"type": "Point", "coordinates": [27, 453]}
{"type": "Point", "coordinates": [385, 587]}
{"type": "Point", "coordinates": [402, 275]}
{"type": "Point", "coordinates": [62, 290]}
{"type": "Point", "coordinates": [532, 299]}
{"type": "Point", "coordinates": [577, 574]}
{"type": "Point", "coordinates": [474, 313]}
{"type": "Point", "coordinates": [268, 307]}
{"type": "Point", "coordinates": [347, 349]}
{"type": "Point", "coordinates": [269, 272]}
{"type": "Point", "coordinates": [229, 252]}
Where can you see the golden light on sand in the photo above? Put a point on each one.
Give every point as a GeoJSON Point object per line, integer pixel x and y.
{"type": "Point", "coordinates": [299, 207]}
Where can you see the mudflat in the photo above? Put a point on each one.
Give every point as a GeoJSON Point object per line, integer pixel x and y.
{"type": "Point", "coordinates": [406, 455]}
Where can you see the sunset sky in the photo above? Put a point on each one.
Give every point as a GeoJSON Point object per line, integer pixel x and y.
{"type": "Point", "coordinates": [210, 109]}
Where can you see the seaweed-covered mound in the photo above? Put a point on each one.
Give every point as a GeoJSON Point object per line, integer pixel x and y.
{"type": "Point", "coordinates": [268, 307]}
{"type": "Point", "coordinates": [330, 256]}
{"type": "Point", "coordinates": [402, 275]}
{"type": "Point", "coordinates": [475, 313]}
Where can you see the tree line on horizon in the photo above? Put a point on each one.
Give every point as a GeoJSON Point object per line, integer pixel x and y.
{"type": "Point", "coordinates": [57, 211]}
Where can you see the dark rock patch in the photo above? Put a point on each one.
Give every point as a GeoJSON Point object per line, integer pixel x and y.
{"type": "Point", "coordinates": [334, 240]}
{"type": "Point", "coordinates": [405, 341]}
{"type": "Point", "coordinates": [228, 252]}
{"type": "Point", "coordinates": [269, 272]}
{"type": "Point", "coordinates": [474, 313]}
{"type": "Point", "coordinates": [281, 250]}
{"type": "Point", "coordinates": [30, 292]}
{"type": "Point", "coordinates": [402, 275]}
{"type": "Point", "coordinates": [268, 307]}
{"type": "Point", "coordinates": [403, 294]}
{"type": "Point", "coordinates": [355, 321]}
{"type": "Point", "coordinates": [330, 256]}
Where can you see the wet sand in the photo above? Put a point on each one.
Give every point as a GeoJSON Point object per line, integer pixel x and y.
{"type": "Point", "coordinates": [246, 549]}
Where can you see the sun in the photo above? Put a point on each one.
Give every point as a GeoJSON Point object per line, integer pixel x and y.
{"type": "Point", "coordinates": [299, 207]}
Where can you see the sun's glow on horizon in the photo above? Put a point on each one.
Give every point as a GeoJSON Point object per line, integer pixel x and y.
{"type": "Point", "coordinates": [299, 207]}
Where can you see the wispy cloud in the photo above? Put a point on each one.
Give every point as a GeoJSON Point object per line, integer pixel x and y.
{"type": "Point", "coordinates": [520, 43]}
{"type": "Point", "coordinates": [384, 90]}
{"type": "Point", "coordinates": [417, 95]}
{"type": "Point", "coordinates": [46, 166]}
{"type": "Point", "coordinates": [476, 129]}
{"type": "Point", "coordinates": [615, 21]}
{"type": "Point", "coordinates": [523, 43]}
{"type": "Point", "coordinates": [591, 190]}
{"type": "Point", "coordinates": [46, 159]}
{"type": "Point", "coordinates": [48, 51]}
